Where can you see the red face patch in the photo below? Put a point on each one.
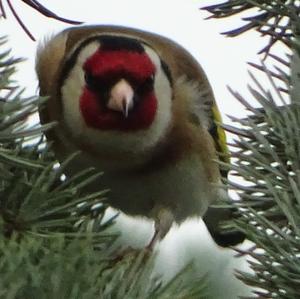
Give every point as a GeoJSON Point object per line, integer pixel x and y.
{"type": "Point", "coordinates": [109, 66]}
{"type": "Point", "coordinates": [100, 117]}
{"type": "Point", "coordinates": [135, 64]}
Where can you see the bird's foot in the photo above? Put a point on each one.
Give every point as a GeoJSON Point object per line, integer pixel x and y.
{"type": "Point", "coordinates": [164, 219]}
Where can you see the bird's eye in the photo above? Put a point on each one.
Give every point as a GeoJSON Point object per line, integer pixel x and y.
{"type": "Point", "coordinates": [89, 79]}
{"type": "Point", "coordinates": [151, 78]}
{"type": "Point", "coordinates": [147, 85]}
{"type": "Point", "coordinates": [149, 81]}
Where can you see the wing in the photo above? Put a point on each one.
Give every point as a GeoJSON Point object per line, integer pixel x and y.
{"type": "Point", "coordinates": [219, 136]}
{"type": "Point", "coordinates": [215, 216]}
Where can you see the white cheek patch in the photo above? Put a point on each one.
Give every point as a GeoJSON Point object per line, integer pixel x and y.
{"type": "Point", "coordinates": [71, 93]}
{"type": "Point", "coordinates": [113, 140]}
{"type": "Point", "coordinates": [153, 56]}
{"type": "Point", "coordinates": [72, 90]}
{"type": "Point", "coordinates": [163, 92]}
{"type": "Point", "coordinates": [87, 52]}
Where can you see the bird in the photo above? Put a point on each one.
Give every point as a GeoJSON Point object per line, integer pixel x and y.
{"type": "Point", "coordinates": [139, 107]}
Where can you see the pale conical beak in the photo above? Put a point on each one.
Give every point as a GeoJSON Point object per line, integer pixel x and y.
{"type": "Point", "coordinates": [121, 97]}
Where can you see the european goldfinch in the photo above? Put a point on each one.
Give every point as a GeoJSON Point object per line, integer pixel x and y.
{"type": "Point", "coordinates": [139, 107]}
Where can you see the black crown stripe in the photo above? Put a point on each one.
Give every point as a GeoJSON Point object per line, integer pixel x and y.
{"type": "Point", "coordinates": [112, 43]}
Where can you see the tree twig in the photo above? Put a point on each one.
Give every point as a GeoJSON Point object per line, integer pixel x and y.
{"type": "Point", "coordinates": [39, 8]}
{"type": "Point", "coordinates": [26, 30]}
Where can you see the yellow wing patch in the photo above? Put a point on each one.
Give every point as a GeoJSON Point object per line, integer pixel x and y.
{"type": "Point", "coordinates": [220, 136]}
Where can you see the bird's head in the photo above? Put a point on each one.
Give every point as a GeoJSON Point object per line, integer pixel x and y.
{"type": "Point", "coordinates": [114, 90]}
{"type": "Point", "coordinates": [116, 93]}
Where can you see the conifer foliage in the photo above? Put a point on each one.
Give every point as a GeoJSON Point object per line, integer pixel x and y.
{"type": "Point", "coordinates": [267, 151]}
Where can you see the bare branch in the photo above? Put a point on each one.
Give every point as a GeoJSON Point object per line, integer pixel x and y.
{"type": "Point", "coordinates": [39, 8]}
{"type": "Point", "coordinates": [26, 30]}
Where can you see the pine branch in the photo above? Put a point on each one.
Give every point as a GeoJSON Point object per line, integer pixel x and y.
{"type": "Point", "coordinates": [266, 161]}
{"type": "Point", "coordinates": [30, 172]}
{"type": "Point", "coordinates": [266, 168]}
{"type": "Point", "coordinates": [276, 19]}
{"type": "Point", "coordinates": [56, 268]}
